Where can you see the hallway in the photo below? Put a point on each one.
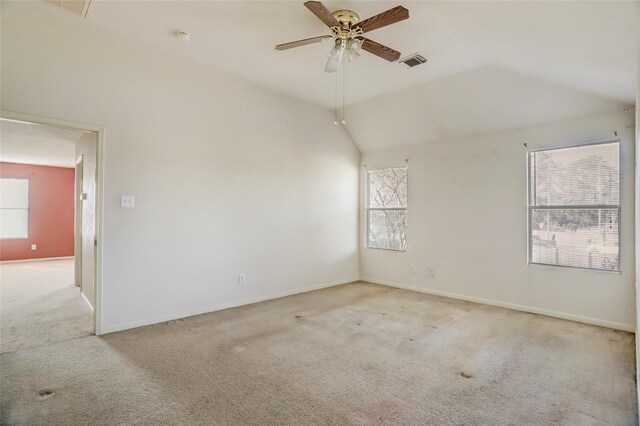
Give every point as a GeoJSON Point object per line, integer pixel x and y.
{"type": "Point", "coordinates": [40, 305]}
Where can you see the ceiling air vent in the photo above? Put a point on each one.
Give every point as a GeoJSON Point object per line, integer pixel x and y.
{"type": "Point", "coordinates": [413, 60]}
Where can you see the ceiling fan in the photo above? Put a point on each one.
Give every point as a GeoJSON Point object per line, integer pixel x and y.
{"type": "Point", "coordinates": [346, 32]}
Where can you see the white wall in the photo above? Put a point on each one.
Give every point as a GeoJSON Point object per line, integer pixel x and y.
{"type": "Point", "coordinates": [455, 185]}
{"type": "Point", "coordinates": [228, 177]}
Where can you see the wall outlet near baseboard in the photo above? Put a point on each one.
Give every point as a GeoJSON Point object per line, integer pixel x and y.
{"type": "Point", "coordinates": [34, 247]}
{"type": "Point", "coordinates": [242, 278]}
{"type": "Point", "coordinates": [127, 201]}
{"type": "Point", "coordinates": [430, 273]}
{"type": "Point", "coordinates": [412, 268]}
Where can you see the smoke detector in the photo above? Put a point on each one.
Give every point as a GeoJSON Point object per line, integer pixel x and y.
{"type": "Point", "coordinates": [413, 60]}
{"type": "Point", "coordinates": [183, 35]}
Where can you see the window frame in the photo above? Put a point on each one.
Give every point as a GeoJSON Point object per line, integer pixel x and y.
{"type": "Point", "coordinates": [368, 208]}
{"type": "Point", "coordinates": [27, 209]}
{"type": "Point", "coordinates": [617, 207]}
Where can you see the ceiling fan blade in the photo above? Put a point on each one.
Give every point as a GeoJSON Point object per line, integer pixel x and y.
{"type": "Point", "coordinates": [302, 42]}
{"type": "Point", "coordinates": [318, 9]}
{"type": "Point", "coordinates": [383, 19]}
{"type": "Point", "coordinates": [380, 50]}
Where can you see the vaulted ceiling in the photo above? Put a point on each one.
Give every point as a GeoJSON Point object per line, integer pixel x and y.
{"type": "Point", "coordinates": [495, 64]}
{"type": "Point", "coordinates": [481, 100]}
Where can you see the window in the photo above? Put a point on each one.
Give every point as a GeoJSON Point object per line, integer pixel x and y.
{"type": "Point", "coordinates": [387, 209]}
{"type": "Point", "coordinates": [574, 206]}
{"type": "Point", "coordinates": [14, 208]}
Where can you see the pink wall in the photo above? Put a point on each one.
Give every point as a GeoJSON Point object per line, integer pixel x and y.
{"type": "Point", "coordinates": [51, 212]}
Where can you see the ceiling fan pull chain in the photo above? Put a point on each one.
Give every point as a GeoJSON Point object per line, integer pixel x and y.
{"type": "Point", "coordinates": [335, 99]}
{"type": "Point", "coordinates": [344, 77]}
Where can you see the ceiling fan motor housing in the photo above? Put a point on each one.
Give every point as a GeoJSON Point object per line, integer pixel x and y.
{"type": "Point", "coordinates": [347, 18]}
{"type": "Point", "coordinates": [348, 21]}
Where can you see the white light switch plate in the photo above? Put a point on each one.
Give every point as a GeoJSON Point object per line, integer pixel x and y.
{"type": "Point", "coordinates": [127, 201]}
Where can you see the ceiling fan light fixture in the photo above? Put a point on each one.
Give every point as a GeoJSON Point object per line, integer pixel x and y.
{"type": "Point", "coordinates": [354, 44]}
{"type": "Point", "coordinates": [335, 57]}
{"type": "Point", "coordinates": [353, 49]}
{"type": "Point", "coordinates": [334, 52]}
{"type": "Point", "coordinates": [183, 35]}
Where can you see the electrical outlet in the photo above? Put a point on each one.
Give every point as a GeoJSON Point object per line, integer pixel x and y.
{"type": "Point", "coordinates": [412, 268]}
{"type": "Point", "coordinates": [127, 201]}
{"type": "Point", "coordinates": [430, 273]}
{"type": "Point", "coordinates": [242, 278]}
{"type": "Point", "coordinates": [34, 247]}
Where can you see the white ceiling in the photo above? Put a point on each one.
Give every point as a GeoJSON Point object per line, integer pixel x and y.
{"type": "Point", "coordinates": [482, 100]}
{"type": "Point", "coordinates": [589, 46]}
{"type": "Point", "coordinates": [27, 143]}
{"type": "Point", "coordinates": [492, 65]}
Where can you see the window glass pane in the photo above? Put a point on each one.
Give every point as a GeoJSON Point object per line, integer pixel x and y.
{"type": "Point", "coordinates": [14, 193]}
{"type": "Point", "coordinates": [14, 223]}
{"type": "Point", "coordinates": [584, 238]}
{"type": "Point", "coordinates": [584, 175]}
{"type": "Point", "coordinates": [388, 188]}
{"type": "Point", "coordinates": [388, 229]}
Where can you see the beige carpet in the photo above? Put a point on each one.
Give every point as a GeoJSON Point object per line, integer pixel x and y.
{"type": "Point", "coordinates": [357, 354]}
{"type": "Point", "coordinates": [40, 305]}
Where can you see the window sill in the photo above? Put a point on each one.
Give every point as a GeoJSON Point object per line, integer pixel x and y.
{"type": "Point", "coordinates": [575, 268]}
{"type": "Point", "coordinates": [384, 249]}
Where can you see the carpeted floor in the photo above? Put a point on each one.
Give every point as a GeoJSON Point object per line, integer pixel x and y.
{"type": "Point", "coordinates": [40, 305]}
{"type": "Point", "coordinates": [354, 354]}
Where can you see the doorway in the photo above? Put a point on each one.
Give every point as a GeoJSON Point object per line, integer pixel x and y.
{"type": "Point", "coordinates": [49, 249]}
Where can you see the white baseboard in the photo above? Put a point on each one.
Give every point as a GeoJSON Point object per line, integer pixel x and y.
{"type": "Point", "coordinates": [40, 259]}
{"type": "Point", "coordinates": [513, 306]}
{"type": "Point", "coordinates": [516, 307]}
{"type": "Point", "coordinates": [205, 310]}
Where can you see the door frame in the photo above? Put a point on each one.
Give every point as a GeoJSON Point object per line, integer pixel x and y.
{"type": "Point", "coordinates": [99, 130]}
{"type": "Point", "coordinates": [77, 237]}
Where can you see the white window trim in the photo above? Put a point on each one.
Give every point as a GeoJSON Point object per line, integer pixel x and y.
{"type": "Point", "coordinates": [368, 208]}
{"type": "Point", "coordinates": [595, 207]}
{"type": "Point", "coordinates": [28, 209]}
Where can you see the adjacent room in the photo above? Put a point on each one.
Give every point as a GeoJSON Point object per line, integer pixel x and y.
{"type": "Point", "coordinates": [293, 213]}
{"type": "Point", "coordinates": [44, 299]}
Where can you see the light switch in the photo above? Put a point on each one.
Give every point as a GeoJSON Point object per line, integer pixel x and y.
{"type": "Point", "coordinates": [127, 201]}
